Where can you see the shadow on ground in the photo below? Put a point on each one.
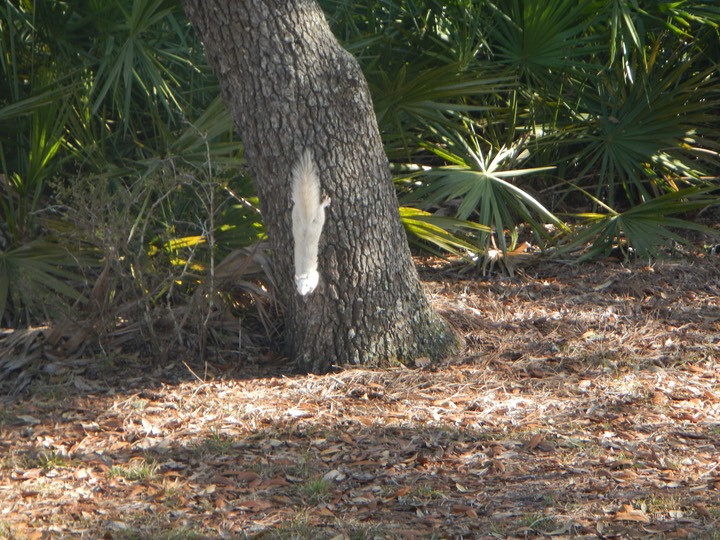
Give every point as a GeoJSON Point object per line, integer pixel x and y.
{"type": "Point", "coordinates": [586, 405]}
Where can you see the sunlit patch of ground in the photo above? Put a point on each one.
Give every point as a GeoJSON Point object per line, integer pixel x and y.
{"type": "Point", "coordinates": [586, 405]}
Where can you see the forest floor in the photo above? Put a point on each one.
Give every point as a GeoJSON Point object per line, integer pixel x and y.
{"type": "Point", "coordinates": [586, 405]}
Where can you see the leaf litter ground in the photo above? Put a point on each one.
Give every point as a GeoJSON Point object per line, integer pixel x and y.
{"type": "Point", "coordinates": [585, 406]}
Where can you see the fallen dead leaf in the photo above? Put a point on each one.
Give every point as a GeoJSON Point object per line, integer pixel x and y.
{"type": "Point", "coordinates": [628, 513]}
{"type": "Point", "coordinates": [463, 449]}
{"type": "Point", "coordinates": [256, 505]}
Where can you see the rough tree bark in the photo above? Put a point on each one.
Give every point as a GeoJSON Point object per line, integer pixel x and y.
{"type": "Point", "coordinates": [289, 86]}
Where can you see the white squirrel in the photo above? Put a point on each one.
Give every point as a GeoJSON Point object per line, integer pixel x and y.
{"type": "Point", "coordinates": [308, 218]}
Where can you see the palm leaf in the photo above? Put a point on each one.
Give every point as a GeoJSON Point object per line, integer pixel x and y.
{"type": "Point", "coordinates": [36, 271]}
{"type": "Point", "coordinates": [447, 234]}
{"type": "Point", "coordinates": [479, 182]}
{"type": "Point", "coordinates": [539, 37]}
{"type": "Point", "coordinates": [208, 138]}
{"type": "Point", "coordinates": [413, 105]}
{"type": "Point", "coordinates": [134, 61]}
{"type": "Point", "coordinates": [639, 133]}
{"type": "Point", "coordinates": [11, 113]}
{"type": "Point", "coordinates": [647, 228]}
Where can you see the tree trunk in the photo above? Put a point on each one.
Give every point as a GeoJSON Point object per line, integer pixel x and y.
{"type": "Point", "coordinates": [290, 86]}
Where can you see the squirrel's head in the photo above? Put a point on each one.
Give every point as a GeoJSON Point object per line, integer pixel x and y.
{"type": "Point", "coordinates": [307, 282]}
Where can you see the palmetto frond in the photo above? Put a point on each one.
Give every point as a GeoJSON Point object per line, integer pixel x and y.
{"type": "Point", "coordinates": [481, 183]}
{"type": "Point", "coordinates": [542, 40]}
{"type": "Point", "coordinates": [635, 135]}
{"type": "Point", "coordinates": [449, 234]}
{"type": "Point", "coordinates": [412, 107]}
{"type": "Point", "coordinates": [36, 273]}
{"type": "Point", "coordinates": [646, 229]}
